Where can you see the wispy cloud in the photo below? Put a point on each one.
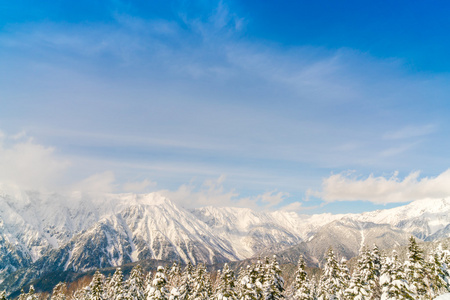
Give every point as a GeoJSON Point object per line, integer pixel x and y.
{"type": "Point", "coordinates": [382, 190]}
{"type": "Point", "coordinates": [410, 132]}
{"type": "Point", "coordinates": [213, 193]}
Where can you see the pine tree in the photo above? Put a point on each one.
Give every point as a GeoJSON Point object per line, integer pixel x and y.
{"type": "Point", "coordinates": [186, 287]}
{"type": "Point", "coordinates": [393, 280]}
{"type": "Point", "coordinates": [22, 295]}
{"type": "Point", "coordinates": [135, 284]}
{"type": "Point", "coordinates": [174, 280]}
{"type": "Point", "coordinates": [301, 286]}
{"type": "Point", "coordinates": [202, 286]}
{"type": "Point", "coordinates": [226, 285]}
{"type": "Point", "coordinates": [250, 287]}
{"type": "Point", "coordinates": [357, 289]}
{"type": "Point", "coordinates": [2, 295]}
{"type": "Point", "coordinates": [374, 284]}
{"type": "Point", "coordinates": [438, 273]}
{"type": "Point", "coordinates": [31, 295]}
{"type": "Point", "coordinates": [273, 286]}
{"type": "Point", "coordinates": [344, 275]}
{"type": "Point", "coordinates": [59, 292]}
{"type": "Point", "coordinates": [115, 287]}
{"type": "Point", "coordinates": [330, 284]}
{"type": "Point", "coordinates": [157, 290]}
{"type": "Point", "coordinates": [415, 270]}
{"type": "Point", "coordinates": [366, 271]}
{"type": "Point", "coordinates": [95, 288]}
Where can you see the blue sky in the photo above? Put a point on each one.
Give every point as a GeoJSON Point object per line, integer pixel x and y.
{"type": "Point", "coordinates": [317, 106]}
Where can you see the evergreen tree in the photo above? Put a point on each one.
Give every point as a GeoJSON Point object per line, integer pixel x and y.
{"type": "Point", "coordinates": [250, 287]}
{"type": "Point", "coordinates": [174, 280]}
{"type": "Point", "coordinates": [415, 270]}
{"type": "Point", "coordinates": [344, 275]}
{"type": "Point", "coordinates": [366, 271]}
{"type": "Point", "coordinates": [22, 295]}
{"type": "Point", "coordinates": [201, 285]}
{"type": "Point", "coordinates": [2, 295]}
{"type": "Point", "coordinates": [186, 287]}
{"type": "Point", "coordinates": [330, 284]}
{"type": "Point", "coordinates": [59, 292]}
{"type": "Point", "coordinates": [31, 295]}
{"type": "Point", "coordinates": [438, 273]}
{"type": "Point", "coordinates": [157, 290]}
{"type": "Point", "coordinates": [273, 285]}
{"type": "Point", "coordinates": [115, 287]}
{"type": "Point", "coordinates": [135, 284]}
{"type": "Point", "coordinates": [95, 288]}
{"type": "Point", "coordinates": [374, 284]}
{"type": "Point", "coordinates": [301, 286]}
{"type": "Point", "coordinates": [393, 280]}
{"type": "Point", "coordinates": [357, 289]}
{"type": "Point", "coordinates": [226, 285]}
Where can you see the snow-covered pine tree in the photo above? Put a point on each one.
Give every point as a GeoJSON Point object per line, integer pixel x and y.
{"type": "Point", "coordinates": [2, 295]}
{"type": "Point", "coordinates": [376, 269]}
{"type": "Point", "coordinates": [301, 288]}
{"type": "Point", "coordinates": [22, 295]}
{"type": "Point", "coordinates": [80, 294]}
{"type": "Point", "coordinates": [157, 289]}
{"type": "Point", "coordinates": [95, 289]}
{"type": "Point", "coordinates": [59, 292]}
{"type": "Point", "coordinates": [174, 275]}
{"type": "Point", "coordinates": [201, 288]}
{"type": "Point", "coordinates": [366, 271]}
{"type": "Point", "coordinates": [357, 289]}
{"type": "Point", "coordinates": [115, 288]}
{"type": "Point", "coordinates": [250, 287]}
{"type": "Point", "coordinates": [443, 257]}
{"type": "Point", "coordinates": [330, 283]}
{"type": "Point", "coordinates": [415, 271]}
{"type": "Point", "coordinates": [186, 286]}
{"type": "Point", "coordinates": [31, 295]}
{"type": "Point", "coordinates": [393, 280]}
{"type": "Point", "coordinates": [437, 273]}
{"type": "Point", "coordinates": [226, 285]}
{"type": "Point", "coordinates": [135, 284]}
{"type": "Point", "coordinates": [344, 275]}
{"type": "Point", "coordinates": [273, 286]}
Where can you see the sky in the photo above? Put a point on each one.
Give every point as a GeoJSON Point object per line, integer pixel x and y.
{"type": "Point", "coordinates": [310, 106]}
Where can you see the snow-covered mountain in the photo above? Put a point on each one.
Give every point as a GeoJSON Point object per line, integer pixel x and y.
{"type": "Point", "coordinates": [47, 232]}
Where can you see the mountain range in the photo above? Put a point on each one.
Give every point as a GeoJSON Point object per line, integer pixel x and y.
{"type": "Point", "coordinates": [43, 232]}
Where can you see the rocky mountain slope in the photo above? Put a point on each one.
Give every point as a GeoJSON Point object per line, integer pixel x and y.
{"type": "Point", "coordinates": [48, 232]}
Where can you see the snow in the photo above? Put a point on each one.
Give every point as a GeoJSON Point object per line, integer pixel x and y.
{"type": "Point", "coordinates": [443, 297]}
{"type": "Point", "coordinates": [37, 222]}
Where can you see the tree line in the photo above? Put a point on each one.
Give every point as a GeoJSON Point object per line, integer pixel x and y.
{"type": "Point", "coordinates": [375, 276]}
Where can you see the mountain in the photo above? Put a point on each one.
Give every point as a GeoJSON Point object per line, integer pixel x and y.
{"type": "Point", "coordinates": [47, 232]}
{"type": "Point", "coordinates": [347, 237]}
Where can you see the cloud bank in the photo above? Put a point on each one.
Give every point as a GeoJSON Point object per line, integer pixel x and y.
{"type": "Point", "coordinates": [383, 190]}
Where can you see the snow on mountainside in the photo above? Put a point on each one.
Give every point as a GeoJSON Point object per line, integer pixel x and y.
{"type": "Point", "coordinates": [422, 218]}
{"type": "Point", "coordinates": [43, 232]}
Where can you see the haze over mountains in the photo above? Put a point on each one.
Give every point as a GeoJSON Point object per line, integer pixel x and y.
{"type": "Point", "coordinates": [47, 232]}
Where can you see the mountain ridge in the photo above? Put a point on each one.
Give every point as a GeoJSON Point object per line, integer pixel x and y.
{"type": "Point", "coordinates": [45, 232]}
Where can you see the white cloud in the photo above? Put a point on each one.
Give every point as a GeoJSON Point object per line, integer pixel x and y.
{"type": "Point", "coordinates": [138, 186]}
{"type": "Point", "coordinates": [294, 206]}
{"type": "Point", "coordinates": [382, 190]}
{"type": "Point", "coordinates": [28, 164]}
{"type": "Point", "coordinates": [97, 183]}
{"type": "Point", "coordinates": [213, 193]}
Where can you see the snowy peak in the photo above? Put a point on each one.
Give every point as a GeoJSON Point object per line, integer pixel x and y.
{"type": "Point", "coordinates": [49, 231]}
